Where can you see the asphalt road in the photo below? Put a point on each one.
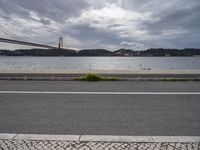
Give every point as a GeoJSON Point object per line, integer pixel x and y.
{"type": "Point", "coordinates": [99, 114]}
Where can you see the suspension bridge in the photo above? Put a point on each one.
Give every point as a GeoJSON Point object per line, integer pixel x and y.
{"type": "Point", "coordinates": [19, 42]}
{"type": "Point", "coordinates": [26, 43]}
{"type": "Point", "coordinates": [14, 40]}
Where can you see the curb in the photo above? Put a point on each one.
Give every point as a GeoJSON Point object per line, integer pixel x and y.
{"type": "Point", "coordinates": [102, 138]}
{"type": "Point", "coordinates": [121, 76]}
{"type": "Point", "coordinates": [118, 79]}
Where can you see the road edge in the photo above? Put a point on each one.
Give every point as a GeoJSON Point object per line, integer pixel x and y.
{"type": "Point", "coordinates": [101, 138]}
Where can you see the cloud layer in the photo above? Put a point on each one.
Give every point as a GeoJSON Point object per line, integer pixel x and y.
{"type": "Point", "coordinates": [111, 24]}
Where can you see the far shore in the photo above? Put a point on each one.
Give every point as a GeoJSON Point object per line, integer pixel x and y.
{"type": "Point", "coordinates": [137, 72]}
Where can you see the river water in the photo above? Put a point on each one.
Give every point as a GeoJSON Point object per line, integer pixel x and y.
{"type": "Point", "coordinates": [99, 63]}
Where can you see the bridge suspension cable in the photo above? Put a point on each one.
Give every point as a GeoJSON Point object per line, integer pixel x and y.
{"type": "Point", "coordinates": [26, 43]}
{"type": "Point", "coordinates": [13, 39]}
{"type": "Point", "coordinates": [10, 34]}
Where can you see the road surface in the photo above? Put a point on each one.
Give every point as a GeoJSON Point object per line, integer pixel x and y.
{"type": "Point", "coordinates": [100, 108]}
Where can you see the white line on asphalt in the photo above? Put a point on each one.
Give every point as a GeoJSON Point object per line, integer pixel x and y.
{"type": "Point", "coordinates": [101, 93]}
{"type": "Point", "coordinates": [99, 138]}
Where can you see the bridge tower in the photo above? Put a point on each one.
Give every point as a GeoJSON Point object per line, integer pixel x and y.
{"type": "Point", "coordinates": [60, 43]}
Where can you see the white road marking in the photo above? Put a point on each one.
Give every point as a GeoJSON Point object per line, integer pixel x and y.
{"type": "Point", "coordinates": [101, 93]}
{"type": "Point", "coordinates": [99, 138]}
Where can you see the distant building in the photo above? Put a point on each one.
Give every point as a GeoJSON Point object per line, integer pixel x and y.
{"type": "Point", "coordinates": [167, 55]}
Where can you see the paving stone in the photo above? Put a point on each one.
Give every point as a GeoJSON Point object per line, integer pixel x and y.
{"type": "Point", "coordinates": [76, 145]}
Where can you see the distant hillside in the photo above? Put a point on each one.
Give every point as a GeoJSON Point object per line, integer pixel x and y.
{"type": "Point", "coordinates": [170, 52]}
{"type": "Point", "coordinates": [95, 52]}
{"type": "Point", "coordinates": [38, 52]}
{"type": "Point", "coordinates": [159, 52]}
{"type": "Point", "coordinates": [101, 52]}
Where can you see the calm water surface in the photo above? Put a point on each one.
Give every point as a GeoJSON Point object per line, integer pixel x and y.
{"type": "Point", "coordinates": [99, 63]}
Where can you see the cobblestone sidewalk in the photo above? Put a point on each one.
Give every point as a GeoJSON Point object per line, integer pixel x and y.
{"type": "Point", "coordinates": [69, 145]}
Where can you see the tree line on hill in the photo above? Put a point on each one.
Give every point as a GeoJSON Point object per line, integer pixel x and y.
{"type": "Point", "coordinates": [102, 52]}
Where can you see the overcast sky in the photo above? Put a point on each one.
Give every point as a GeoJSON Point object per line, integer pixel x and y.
{"type": "Point", "coordinates": [109, 24]}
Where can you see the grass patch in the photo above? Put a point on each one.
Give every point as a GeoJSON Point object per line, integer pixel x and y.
{"type": "Point", "coordinates": [95, 77]}
{"type": "Point", "coordinates": [92, 77]}
{"type": "Point", "coordinates": [178, 79]}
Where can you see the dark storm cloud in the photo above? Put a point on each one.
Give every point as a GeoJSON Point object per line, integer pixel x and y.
{"type": "Point", "coordinates": [57, 10]}
{"type": "Point", "coordinates": [184, 18]}
{"type": "Point", "coordinates": [178, 25]}
{"type": "Point", "coordinates": [105, 23]}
